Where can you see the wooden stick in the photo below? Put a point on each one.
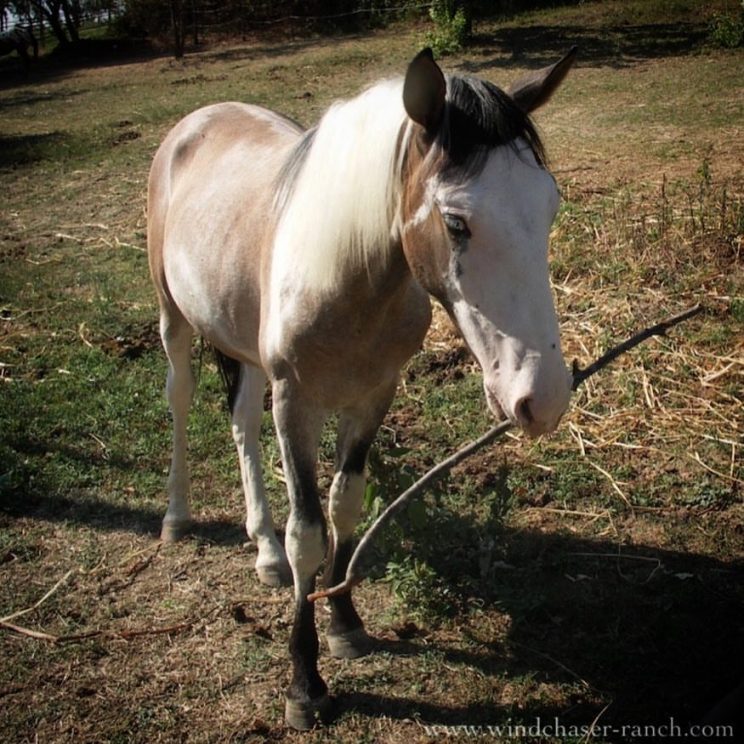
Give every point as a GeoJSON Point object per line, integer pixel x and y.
{"type": "Point", "coordinates": [354, 575]}
{"type": "Point", "coordinates": [660, 329]}
{"type": "Point", "coordinates": [28, 632]}
{"type": "Point", "coordinates": [77, 637]}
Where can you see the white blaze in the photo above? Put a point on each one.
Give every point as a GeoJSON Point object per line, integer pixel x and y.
{"type": "Point", "coordinates": [499, 288]}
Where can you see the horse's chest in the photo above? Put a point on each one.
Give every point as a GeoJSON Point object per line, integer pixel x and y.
{"type": "Point", "coordinates": [342, 353]}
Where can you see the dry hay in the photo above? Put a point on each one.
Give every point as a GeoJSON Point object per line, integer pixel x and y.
{"type": "Point", "coordinates": [674, 405]}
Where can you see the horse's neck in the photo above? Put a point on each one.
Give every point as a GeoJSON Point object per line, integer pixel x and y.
{"type": "Point", "coordinates": [383, 299]}
{"type": "Point", "coordinates": [380, 288]}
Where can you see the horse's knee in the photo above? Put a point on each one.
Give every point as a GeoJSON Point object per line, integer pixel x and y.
{"type": "Point", "coordinates": [305, 543]}
{"type": "Point", "coordinates": [345, 503]}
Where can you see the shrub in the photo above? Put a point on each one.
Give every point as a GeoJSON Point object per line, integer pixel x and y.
{"type": "Point", "coordinates": [727, 30]}
{"type": "Point", "coordinates": [451, 27]}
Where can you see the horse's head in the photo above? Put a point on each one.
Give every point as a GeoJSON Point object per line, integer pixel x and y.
{"type": "Point", "coordinates": [476, 215]}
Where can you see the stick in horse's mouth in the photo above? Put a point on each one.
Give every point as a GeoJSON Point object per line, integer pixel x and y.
{"type": "Point", "coordinates": [354, 575]}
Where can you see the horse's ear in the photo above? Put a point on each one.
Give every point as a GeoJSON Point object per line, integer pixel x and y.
{"type": "Point", "coordinates": [534, 89]}
{"type": "Point", "coordinates": [424, 91]}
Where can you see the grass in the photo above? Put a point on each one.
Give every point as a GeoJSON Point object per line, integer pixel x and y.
{"type": "Point", "coordinates": [592, 573]}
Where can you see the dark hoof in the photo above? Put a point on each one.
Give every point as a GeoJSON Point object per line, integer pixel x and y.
{"type": "Point", "coordinates": [304, 715]}
{"type": "Point", "coordinates": [350, 645]}
{"type": "Point", "coordinates": [173, 531]}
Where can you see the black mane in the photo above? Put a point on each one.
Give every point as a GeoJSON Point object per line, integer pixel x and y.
{"type": "Point", "coordinates": [479, 116]}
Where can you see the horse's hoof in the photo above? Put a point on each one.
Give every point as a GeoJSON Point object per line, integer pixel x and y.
{"type": "Point", "coordinates": [303, 716]}
{"type": "Point", "coordinates": [350, 645]}
{"type": "Point", "coordinates": [273, 575]}
{"type": "Point", "coordinates": [175, 530]}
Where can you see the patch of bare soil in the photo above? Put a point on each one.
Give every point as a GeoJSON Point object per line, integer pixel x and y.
{"type": "Point", "coordinates": [132, 342]}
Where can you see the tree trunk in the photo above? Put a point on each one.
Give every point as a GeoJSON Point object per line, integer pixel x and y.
{"type": "Point", "coordinates": [178, 30]}
{"type": "Point", "coordinates": [194, 22]}
{"type": "Point", "coordinates": [49, 9]}
{"type": "Point", "coordinates": [71, 12]}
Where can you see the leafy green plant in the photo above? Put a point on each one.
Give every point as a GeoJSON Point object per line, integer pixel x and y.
{"type": "Point", "coordinates": [418, 587]}
{"type": "Point", "coordinates": [451, 27]}
{"type": "Point", "coordinates": [727, 29]}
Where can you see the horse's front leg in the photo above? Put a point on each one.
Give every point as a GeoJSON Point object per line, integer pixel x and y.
{"type": "Point", "coordinates": [346, 636]}
{"type": "Point", "coordinates": [298, 425]}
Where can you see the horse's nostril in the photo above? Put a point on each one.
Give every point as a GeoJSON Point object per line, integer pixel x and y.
{"type": "Point", "coordinates": [524, 414]}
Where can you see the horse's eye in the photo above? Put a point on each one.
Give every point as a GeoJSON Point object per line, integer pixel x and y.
{"type": "Point", "coordinates": [456, 225]}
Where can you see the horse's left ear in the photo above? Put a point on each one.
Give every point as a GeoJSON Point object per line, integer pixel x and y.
{"type": "Point", "coordinates": [424, 91]}
{"type": "Point", "coordinates": [534, 89]}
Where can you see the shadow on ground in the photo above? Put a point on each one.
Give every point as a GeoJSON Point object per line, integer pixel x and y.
{"type": "Point", "coordinates": [657, 632]}
{"type": "Point", "coordinates": [23, 494]}
{"type": "Point", "coordinates": [614, 46]}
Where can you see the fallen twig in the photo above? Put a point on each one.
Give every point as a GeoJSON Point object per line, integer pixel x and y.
{"type": "Point", "coordinates": [132, 572]}
{"type": "Point", "coordinates": [77, 637]}
{"type": "Point", "coordinates": [353, 573]}
{"type": "Point", "coordinates": [660, 329]}
{"type": "Point", "coordinates": [19, 613]}
{"type": "Point", "coordinates": [555, 661]}
{"type": "Point", "coordinates": [38, 634]}
{"type": "Point", "coordinates": [613, 483]}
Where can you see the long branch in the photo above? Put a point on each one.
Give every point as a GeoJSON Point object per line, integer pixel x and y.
{"type": "Point", "coordinates": [353, 573]}
{"type": "Point", "coordinates": [660, 329]}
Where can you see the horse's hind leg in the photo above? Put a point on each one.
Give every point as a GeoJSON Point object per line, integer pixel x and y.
{"type": "Point", "coordinates": [271, 565]}
{"type": "Point", "coordinates": [346, 636]}
{"type": "Point", "coordinates": [177, 334]}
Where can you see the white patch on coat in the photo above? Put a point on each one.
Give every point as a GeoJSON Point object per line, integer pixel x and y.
{"type": "Point", "coordinates": [246, 427]}
{"type": "Point", "coordinates": [306, 548]}
{"type": "Point", "coordinates": [345, 504]}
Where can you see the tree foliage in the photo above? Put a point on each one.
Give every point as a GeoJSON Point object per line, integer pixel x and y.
{"type": "Point", "coordinates": [62, 17]}
{"type": "Point", "coordinates": [176, 23]}
{"type": "Point", "coordinates": [452, 26]}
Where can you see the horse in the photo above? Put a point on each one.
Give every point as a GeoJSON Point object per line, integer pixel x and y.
{"type": "Point", "coordinates": [308, 259]}
{"type": "Point", "coordinates": [19, 39]}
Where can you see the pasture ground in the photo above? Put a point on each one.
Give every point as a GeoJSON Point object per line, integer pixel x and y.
{"type": "Point", "coordinates": [593, 576]}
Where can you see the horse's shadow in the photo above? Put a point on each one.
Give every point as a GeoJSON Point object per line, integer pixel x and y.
{"type": "Point", "coordinates": [643, 634]}
{"type": "Point", "coordinates": [26, 494]}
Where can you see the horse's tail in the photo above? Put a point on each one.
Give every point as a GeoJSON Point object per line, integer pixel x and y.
{"type": "Point", "coordinates": [229, 369]}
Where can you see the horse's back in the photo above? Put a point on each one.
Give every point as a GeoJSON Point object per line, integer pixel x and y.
{"type": "Point", "coordinates": [212, 131]}
{"type": "Point", "coordinates": [209, 216]}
